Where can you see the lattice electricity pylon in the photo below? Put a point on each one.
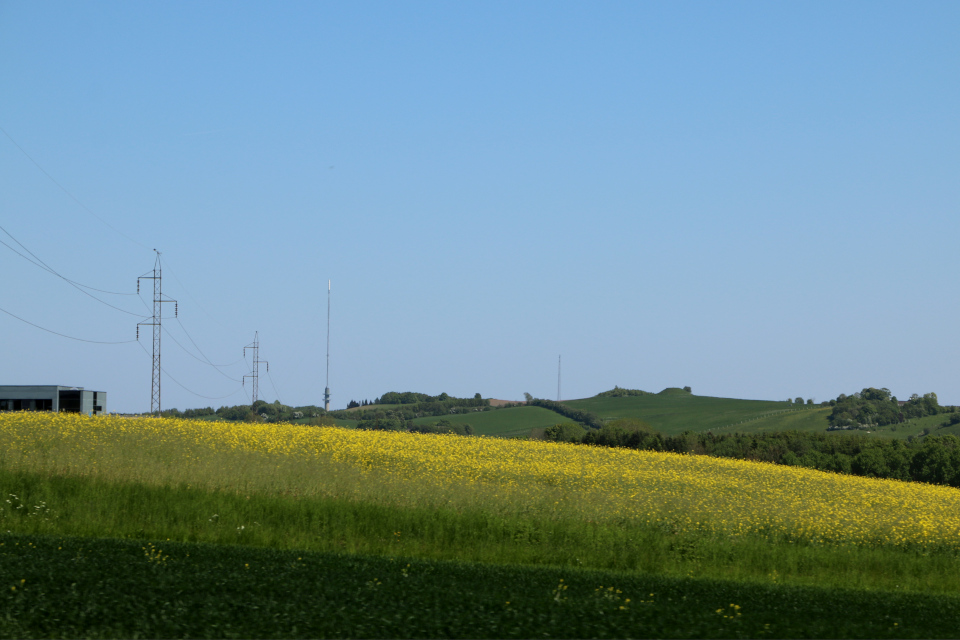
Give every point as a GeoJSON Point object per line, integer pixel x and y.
{"type": "Point", "coordinates": [156, 323]}
{"type": "Point", "coordinates": [255, 373]}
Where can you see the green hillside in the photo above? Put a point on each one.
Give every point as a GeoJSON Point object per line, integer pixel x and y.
{"type": "Point", "coordinates": [514, 421]}
{"type": "Point", "coordinates": [812, 419]}
{"type": "Point", "coordinates": [676, 411]}
{"type": "Point", "coordinates": [915, 427]}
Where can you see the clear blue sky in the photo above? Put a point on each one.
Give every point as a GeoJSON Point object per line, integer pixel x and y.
{"type": "Point", "coordinates": [759, 200]}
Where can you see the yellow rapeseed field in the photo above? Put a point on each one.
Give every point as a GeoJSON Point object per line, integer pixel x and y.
{"type": "Point", "coordinates": [680, 493]}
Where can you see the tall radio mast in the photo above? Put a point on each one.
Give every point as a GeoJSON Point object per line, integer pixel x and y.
{"type": "Point", "coordinates": [559, 361]}
{"type": "Point", "coordinates": [326, 391]}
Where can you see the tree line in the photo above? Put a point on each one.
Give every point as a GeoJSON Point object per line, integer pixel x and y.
{"type": "Point", "coordinates": [392, 423]}
{"type": "Point", "coordinates": [409, 406]}
{"type": "Point", "coordinates": [273, 412]}
{"type": "Point", "coordinates": [933, 458]}
{"type": "Point", "coordinates": [586, 418]}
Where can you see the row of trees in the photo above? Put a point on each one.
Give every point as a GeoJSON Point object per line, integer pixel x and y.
{"type": "Point", "coordinates": [440, 405]}
{"type": "Point", "coordinates": [585, 418]}
{"type": "Point", "coordinates": [411, 397]}
{"type": "Point", "coordinates": [274, 412]}
{"type": "Point", "coordinates": [934, 459]}
{"type": "Point", "coordinates": [392, 423]}
{"type": "Point", "coordinates": [188, 413]}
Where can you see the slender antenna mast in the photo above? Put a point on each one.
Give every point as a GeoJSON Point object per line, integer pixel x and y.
{"type": "Point", "coordinates": [326, 391]}
{"type": "Point", "coordinates": [155, 322]}
{"type": "Point", "coordinates": [559, 361]}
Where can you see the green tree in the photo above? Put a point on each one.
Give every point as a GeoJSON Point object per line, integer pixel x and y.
{"type": "Point", "coordinates": [564, 432]}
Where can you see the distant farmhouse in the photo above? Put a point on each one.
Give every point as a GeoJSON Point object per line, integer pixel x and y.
{"type": "Point", "coordinates": [52, 398]}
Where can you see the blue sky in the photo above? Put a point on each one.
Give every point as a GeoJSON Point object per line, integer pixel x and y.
{"type": "Point", "coordinates": [758, 200]}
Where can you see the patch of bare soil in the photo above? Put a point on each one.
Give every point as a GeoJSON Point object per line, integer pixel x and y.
{"type": "Point", "coordinates": [501, 403]}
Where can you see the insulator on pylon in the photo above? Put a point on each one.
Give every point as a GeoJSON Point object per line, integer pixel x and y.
{"type": "Point", "coordinates": [176, 305]}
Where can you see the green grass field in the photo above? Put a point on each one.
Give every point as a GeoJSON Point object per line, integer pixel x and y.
{"type": "Point", "coordinates": [56, 587]}
{"type": "Point", "coordinates": [94, 508]}
{"type": "Point", "coordinates": [673, 413]}
{"type": "Point", "coordinates": [142, 529]}
{"type": "Point", "coordinates": [914, 427]}
{"type": "Point", "coordinates": [812, 419]}
{"type": "Point", "coordinates": [510, 422]}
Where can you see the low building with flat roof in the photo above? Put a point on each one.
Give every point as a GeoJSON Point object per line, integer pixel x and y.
{"type": "Point", "coordinates": [52, 398]}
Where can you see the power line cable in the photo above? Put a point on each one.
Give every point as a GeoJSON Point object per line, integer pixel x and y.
{"type": "Point", "coordinates": [187, 351]}
{"type": "Point", "coordinates": [179, 384]}
{"type": "Point", "coordinates": [49, 270]}
{"type": "Point", "coordinates": [68, 280]}
{"type": "Point", "coordinates": [146, 306]}
{"type": "Point", "coordinates": [201, 352]}
{"type": "Point", "coordinates": [204, 358]}
{"type": "Point", "coordinates": [64, 189]}
{"type": "Point", "coordinates": [190, 295]}
{"type": "Point", "coordinates": [270, 377]}
{"type": "Point", "coordinates": [63, 335]}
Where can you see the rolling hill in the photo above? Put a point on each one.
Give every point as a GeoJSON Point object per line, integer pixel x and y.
{"type": "Point", "coordinates": [673, 411]}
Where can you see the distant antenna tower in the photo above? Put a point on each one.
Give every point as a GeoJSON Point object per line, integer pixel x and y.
{"type": "Point", "coordinates": [155, 322]}
{"type": "Point", "coordinates": [559, 362]}
{"type": "Point", "coordinates": [326, 391]}
{"type": "Point", "coordinates": [255, 373]}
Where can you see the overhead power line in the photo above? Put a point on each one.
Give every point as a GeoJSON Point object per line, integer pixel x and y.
{"type": "Point", "coordinates": [184, 387]}
{"type": "Point", "coordinates": [270, 377]}
{"type": "Point", "coordinates": [187, 351]}
{"type": "Point", "coordinates": [64, 189]}
{"type": "Point", "coordinates": [63, 335]}
{"type": "Point", "coordinates": [229, 364]}
{"type": "Point", "coordinates": [43, 265]}
{"type": "Point", "coordinates": [187, 291]}
{"type": "Point", "coordinates": [49, 270]}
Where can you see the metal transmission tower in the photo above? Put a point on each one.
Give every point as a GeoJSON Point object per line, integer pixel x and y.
{"type": "Point", "coordinates": [155, 322]}
{"type": "Point", "coordinates": [326, 391]}
{"type": "Point", "coordinates": [255, 373]}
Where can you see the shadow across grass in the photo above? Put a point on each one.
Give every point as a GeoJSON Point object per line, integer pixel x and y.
{"type": "Point", "coordinates": [88, 507]}
{"type": "Point", "coordinates": [56, 587]}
